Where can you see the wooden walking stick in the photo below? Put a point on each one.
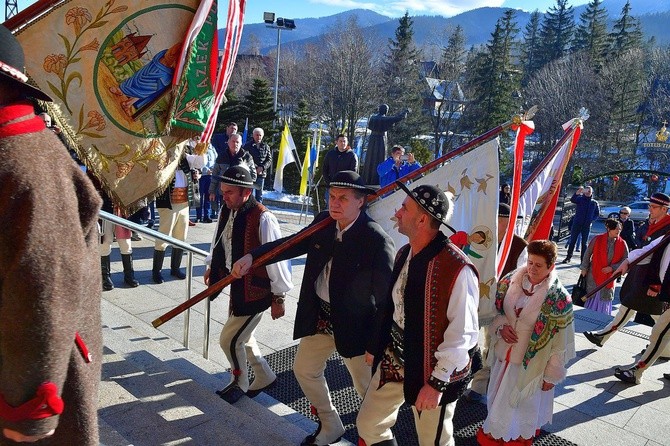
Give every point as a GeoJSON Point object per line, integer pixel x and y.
{"type": "Point", "coordinates": [221, 284]}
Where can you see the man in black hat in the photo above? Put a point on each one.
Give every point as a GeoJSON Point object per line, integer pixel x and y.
{"type": "Point", "coordinates": [633, 293]}
{"type": "Point", "coordinates": [50, 335]}
{"type": "Point", "coordinates": [423, 358]}
{"type": "Point", "coordinates": [245, 224]}
{"type": "Point", "coordinates": [343, 294]}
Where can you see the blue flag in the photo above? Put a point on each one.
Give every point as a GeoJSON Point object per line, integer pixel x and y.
{"type": "Point", "coordinates": [246, 131]}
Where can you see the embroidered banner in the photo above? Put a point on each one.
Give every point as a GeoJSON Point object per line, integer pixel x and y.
{"type": "Point", "coordinates": [110, 65]}
{"type": "Point", "coordinates": [473, 180]}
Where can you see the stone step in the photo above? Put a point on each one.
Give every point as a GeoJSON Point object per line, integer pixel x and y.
{"type": "Point", "coordinates": [139, 358]}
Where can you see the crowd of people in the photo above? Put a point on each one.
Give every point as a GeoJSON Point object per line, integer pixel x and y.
{"type": "Point", "coordinates": [404, 321]}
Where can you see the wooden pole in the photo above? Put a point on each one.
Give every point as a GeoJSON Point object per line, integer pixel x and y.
{"type": "Point", "coordinates": [221, 284]}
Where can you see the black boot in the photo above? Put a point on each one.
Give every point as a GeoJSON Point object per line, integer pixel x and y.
{"type": "Point", "coordinates": [175, 263]}
{"type": "Point", "coordinates": [107, 284]}
{"type": "Point", "coordinates": [158, 265]}
{"type": "Point", "coordinates": [128, 272]}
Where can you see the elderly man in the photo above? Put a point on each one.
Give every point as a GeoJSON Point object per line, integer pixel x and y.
{"type": "Point", "coordinates": [586, 212]}
{"type": "Point", "coordinates": [634, 291]}
{"type": "Point", "coordinates": [343, 296]}
{"type": "Point", "coordinates": [262, 156]}
{"type": "Point", "coordinates": [430, 332]}
{"type": "Point", "coordinates": [234, 156]}
{"type": "Point", "coordinates": [245, 224]}
{"type": "Point", "coordinates": [50, 336]}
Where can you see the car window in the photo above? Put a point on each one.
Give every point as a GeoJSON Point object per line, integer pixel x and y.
{"type": "Point", "coordinates": [639, 206]}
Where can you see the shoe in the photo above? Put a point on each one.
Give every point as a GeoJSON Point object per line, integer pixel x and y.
{"type": "Point", "coordinates": [231, 393]}
{"type": "Point", "coordinates": [627, 376]}
{"type": "Point", "coordinates": [474, 397]}
{"type": "Point", "coordinates": [191, 223]}
{"type": "Point", "coordinates": [594, 338]}
{"type": "Point", "coordinates": [207, 220]}
{"type": "Point", "coordinates": [252, 393]}
{"type": "Point", "coordinates": [135, 237]}
{"type": "Point", "coordinates": [666, 376]}
{"type": "Point", "coordinates": [566, 260]}
{"type": "Point", "coordinates": [329, 430]}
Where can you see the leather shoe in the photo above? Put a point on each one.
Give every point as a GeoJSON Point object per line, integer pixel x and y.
{"type": "Point", "coordinates": [666, 376]}
{"type": "Point", "coordinates": [473, 396]}
{"type": "Point", "coordinates": [255, 392]}
{"type": "Point", "coordinates": [231, 393]}
{"type": "Point", "coordinates": [627, 376]}
{"type": "Point", "coordinates": [566, 260]}
{"type": "Point", "coordinates": [594, 338]}
{"type": "Point", "coordinates": [207, 220]}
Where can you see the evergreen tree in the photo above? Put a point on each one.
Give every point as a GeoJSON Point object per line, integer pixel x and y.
{"type": "Point", "coordinates": [229, 111]}
{"type": "Point", "coordinates": [453, 56]}
{"type": "Point", "coordinates": [403, 83]}
{"type": "Point", "coordinates": [530, 59]}
{"type": "Point", "coordinates": [591, 34]}
{"type": "Point", "coordinates": [494, 80]}
{"type": "Point", "coordinates": [258, 107]}
{"type": "Point", "coordinates": [626, 33]}
{"type": "Point", "coordinates": [556, 32]}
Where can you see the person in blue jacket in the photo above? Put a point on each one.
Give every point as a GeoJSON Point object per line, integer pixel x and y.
{"type": "Point", "coordinates": [586, 212]}
{"type": "Point", "coordinates": [396, 166]}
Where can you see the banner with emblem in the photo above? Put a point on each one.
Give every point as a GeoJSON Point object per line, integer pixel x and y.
{"type": "Point", "coordinates": [472, 179]}
{"type": "Point", "coordinates": [112, 67]}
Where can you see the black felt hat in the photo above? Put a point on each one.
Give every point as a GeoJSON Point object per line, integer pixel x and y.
{"type": "Point", "coordinates": [660, 198]}
{"type": "Point", "coordinates": [237, 176]}
{"type": "Point", "coordinates": [432, 200]}
{"type": "Point", "coordinates": [348, 179]}
{"type": "Point", "coordinates": [13, 66]}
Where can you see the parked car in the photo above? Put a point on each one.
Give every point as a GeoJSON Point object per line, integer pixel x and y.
{"type": "Point", "coordinates": [639, 211]}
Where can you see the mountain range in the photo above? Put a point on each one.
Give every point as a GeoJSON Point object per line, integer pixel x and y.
{"type": "Point", "coordinates": [432, 31]}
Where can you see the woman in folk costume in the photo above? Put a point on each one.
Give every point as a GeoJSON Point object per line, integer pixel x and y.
{"type": "Point", "coordinates": [604, 255]}
{"type": "Point", "coordinates": [532, 339]}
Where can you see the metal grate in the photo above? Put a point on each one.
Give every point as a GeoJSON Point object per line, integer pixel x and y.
{"type": "Point", "coordinates": [468, 416]}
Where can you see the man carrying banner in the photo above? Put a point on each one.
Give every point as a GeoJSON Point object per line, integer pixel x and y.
{"type": "Point", "coordinates": [50, 335]}
{"type": "Point", "coordinates": [343, 295]}
{"type": "Point", "coordinates": [422, 357]}
{"type": "Point", "coordinates": [245, 224]}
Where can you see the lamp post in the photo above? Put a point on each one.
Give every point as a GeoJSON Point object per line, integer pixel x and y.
{"type": "Point", "coordinates": [279, 24]}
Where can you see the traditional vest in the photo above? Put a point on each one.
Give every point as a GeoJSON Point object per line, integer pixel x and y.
{"type": "Point", "coordinates": [163, 200]}
{"type": "Point", "coordinates": [251, 294]}
{"type": "Point", "coordinates": [430, 280]}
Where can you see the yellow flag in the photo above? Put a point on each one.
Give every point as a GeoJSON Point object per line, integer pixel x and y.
{"type": "Point", "coordinates": [304, 178]}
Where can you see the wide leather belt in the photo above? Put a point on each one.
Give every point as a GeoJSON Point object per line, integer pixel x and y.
{"type": "Point", "coordinates": [179, 195]}
{"type": "Point", "coordinates": [397, 343]}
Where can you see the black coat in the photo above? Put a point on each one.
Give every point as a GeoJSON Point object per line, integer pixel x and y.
{"type": "Point", "coordinates": [359, 281]}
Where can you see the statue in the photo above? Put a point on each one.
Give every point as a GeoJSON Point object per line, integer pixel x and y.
{"type": "Point", "coordinates": [378, 124]}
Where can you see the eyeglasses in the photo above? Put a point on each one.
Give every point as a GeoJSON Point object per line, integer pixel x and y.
{"type": "Point", "coordinates": [624, 213]}
{"type": "Point", "coordinates": [653, 206]}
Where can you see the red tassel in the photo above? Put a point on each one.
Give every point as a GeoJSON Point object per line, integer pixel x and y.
{"type": "Point", "coordinates": [313, 410]}
{"type": "Point", "coordinates": [45, 404]}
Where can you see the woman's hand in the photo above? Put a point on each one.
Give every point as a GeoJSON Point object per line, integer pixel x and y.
{"type": "Point", "coordinates": [508, 334]}
{"type": "Point", "coordinates": [582, 273]}
{"type": "Point", "coordinates": [607, 270]}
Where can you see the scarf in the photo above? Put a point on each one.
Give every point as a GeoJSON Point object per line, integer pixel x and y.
{"type": "Point", "coordinates": [655, 226]}
{"type": "Point", "coordinates": [600, 260]}
{"type": "Point", "coordinates": [13, 112]}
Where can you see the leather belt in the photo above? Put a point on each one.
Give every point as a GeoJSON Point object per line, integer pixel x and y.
{"type": "Point", "coordinates": [179, 195]}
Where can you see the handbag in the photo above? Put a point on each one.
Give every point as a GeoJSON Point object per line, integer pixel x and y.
{"type": "Point", "coordinates": [579, 291]}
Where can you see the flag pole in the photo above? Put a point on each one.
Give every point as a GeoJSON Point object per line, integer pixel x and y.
{"type": "Point", "coordinates": [29, 14]}
{"type": "Point", "coordinates": [310, 230]}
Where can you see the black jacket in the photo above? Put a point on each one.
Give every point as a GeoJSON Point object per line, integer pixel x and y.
{"type": "Point", "coordinates": [336, 161]}
{"type": "Point", "coordinates": [359, 281]}
{"type": "Point", "coordinates": [261, 154]}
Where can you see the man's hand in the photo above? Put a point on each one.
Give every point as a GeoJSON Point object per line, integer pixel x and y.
{"type": "Point", "coordinates": [206, 276]}
{"type": "Point", "coordinates": [428, 398]}
{"type": "Point", "coordinates": [369, 358]}
{"type": "Point", "coordinates": [410, 158]}
{"type": "Point", "coordinates": [212, 197]}
{"type": "Point", "coordinates": [20, 438]}
{"type": "Point", "coordinates": [582, 273]}
{"type": "Point", "coordinates": [277, 310]}
{"type": "Point", "coordinates": [623, 268]}
{"type": "Point", "coordinates": [242, 266]}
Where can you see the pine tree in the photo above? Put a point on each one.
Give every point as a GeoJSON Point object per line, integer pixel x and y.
{"type": "Point", "coordinates": [258, 107]}
{"type": "Point", "coordinates": [556, 32]}
{"type": "Point", "coordinates": [626, 33]}
{"type": "Point", "coordinates": [591, 34]}
{"type": "Point", "coordinates": [230, 111]}
{"type": "Point", "coordinates": [530, 58]}
{"type": "Point", "coordinates": [494, 80]}
{"type": "Point", "coordinates": [403, 83]}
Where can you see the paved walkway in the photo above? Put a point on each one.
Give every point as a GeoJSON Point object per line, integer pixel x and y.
{"type": "Point", "coordinates": [592, 407]}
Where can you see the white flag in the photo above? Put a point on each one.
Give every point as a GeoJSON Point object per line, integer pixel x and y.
{"type": "Point", "coordinates": [286, 149]}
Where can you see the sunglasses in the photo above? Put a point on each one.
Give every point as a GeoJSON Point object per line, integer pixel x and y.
{"type": "Point", "coordinates": [624, 213]}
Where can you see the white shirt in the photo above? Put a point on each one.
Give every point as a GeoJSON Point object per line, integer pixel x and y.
{"type": "Point", "coordinates": [321, 285]}
{"type": "Point", "coordinates": [194, 162]}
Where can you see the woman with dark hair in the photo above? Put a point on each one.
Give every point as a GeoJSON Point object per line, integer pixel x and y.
{"type": "Point", "coordinates": [604, 255]}
{"type": "Point", "coordinates": [627, 228]}
{"type": "Point", "coordinates": [505, 195]}
{"type": "Point", "coordinates": [532, 339]}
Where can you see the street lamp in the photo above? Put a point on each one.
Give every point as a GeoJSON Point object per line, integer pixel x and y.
{"type": "Point", "coordinates": [279, 24]}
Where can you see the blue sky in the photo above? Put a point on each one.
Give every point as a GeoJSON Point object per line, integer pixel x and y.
{"type": "Point", "coordinates": [297, 9]}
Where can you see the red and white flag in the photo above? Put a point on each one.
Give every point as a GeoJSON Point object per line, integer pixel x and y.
{"type": "Point", "coordinates": [539, 194]}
